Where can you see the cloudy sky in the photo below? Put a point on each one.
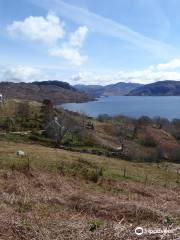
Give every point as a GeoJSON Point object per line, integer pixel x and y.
{"type": "Point", "coordinates": [89, 41]}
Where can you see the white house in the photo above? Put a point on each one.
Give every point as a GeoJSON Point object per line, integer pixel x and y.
{"type": "Point", "coordinates": [1, 98]}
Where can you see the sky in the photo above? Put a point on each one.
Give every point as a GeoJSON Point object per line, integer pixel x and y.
{"type": "Point", "coordinates": [90, 41]}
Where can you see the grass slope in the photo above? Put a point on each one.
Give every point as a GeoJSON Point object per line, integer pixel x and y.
{"type": "Point", "coordinates": [68, 195]}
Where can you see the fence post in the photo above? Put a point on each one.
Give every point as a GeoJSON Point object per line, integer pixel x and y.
{"type": "Point", "coordinates": [124, 173]}
{"type": "Point", "coordinates": [146, 179]}
{"type": "Point", "coordinates": [28, 166]}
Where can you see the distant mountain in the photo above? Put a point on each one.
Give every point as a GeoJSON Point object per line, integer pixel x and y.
{"type": "Point", "coordinates": [56, 91]}
{"type": "Point", "coordinates": [117, 89]}
{"type": "Point", "coordinates": [161, 88]}
{"type": "Point", "coordinates": [120, 88]}
{"type": "Point", "coordinates": [92, 90]}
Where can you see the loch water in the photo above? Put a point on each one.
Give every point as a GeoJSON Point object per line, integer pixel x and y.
{"type": "Point", "coordinates": [133, 106]}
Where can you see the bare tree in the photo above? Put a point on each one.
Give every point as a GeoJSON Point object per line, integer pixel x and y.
{"type": "Point", "coordinates": [62, 124]}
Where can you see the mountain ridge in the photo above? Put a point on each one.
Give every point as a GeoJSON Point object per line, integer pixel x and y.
{"type": "Point", "coordinates": [117, 89]}
{"type": "Point", "coordinates": [56, 91]}
{"type": "Point", "coordinates": [160, 88]}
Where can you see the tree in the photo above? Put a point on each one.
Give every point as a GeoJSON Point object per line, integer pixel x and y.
{"type": "Point", "coordinates": [162, 123]}
{"type": "Point", "coordinates": [62, 124]}
{"type": "Point", "coordinates": [47, 111]}
{"type": "Point", "coordinates": [23, 111]}
{"type": "Point", "coordinates": [10, 124]}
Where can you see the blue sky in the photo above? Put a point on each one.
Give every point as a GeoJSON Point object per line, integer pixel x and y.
{"type": "Point", "coordinates": [90, 41]}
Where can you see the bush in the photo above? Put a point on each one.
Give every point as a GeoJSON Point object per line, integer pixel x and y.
{"type": "Point", "coordinates": [145, 121]}
{"type": "Point", "coordinates": [95, 224]}
{"type": "Point", "coordinates": [175, 155]}
{"type": "Point", "coordinates": [155, 156]}
{"type": "Point", "coordinates": [176, 128]}
{"type": "Point", "coordinates": [162, 123]}
{"type": "Point", "coordinates": [176, 134]}
{"type": "Point", "coordinates": [148, 141]}
{"type": "Point", "coordinates": [28, 125]}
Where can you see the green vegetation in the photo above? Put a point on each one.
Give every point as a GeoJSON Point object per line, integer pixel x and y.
{"type": "Point", "coordinates": [86, 166]}
{"type": "Point", "coordinates": [95, 224]}
{"type": "Point", "coordinates": [80, 176]}
{"type": "Point", "coordinates": [141, 140]}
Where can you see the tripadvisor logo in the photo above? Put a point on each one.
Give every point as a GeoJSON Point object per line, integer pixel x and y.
{"type": "Point", "coordinates": [139, 231]}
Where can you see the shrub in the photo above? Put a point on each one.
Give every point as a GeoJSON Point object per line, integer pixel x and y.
{"type": "Point", "coordinates": [175, 155]}
{"type": "Point", "coordinates": [155, 156]}
{"type": "Point", "coordinates": [162, 123]}
{"type": "Point", "coordinates": [95, 224]}
{"type": "Point", "coordinates": [176, 129]}
{"type": "Point", "coordinates": [126, 130]}
{"type": "Point", "coordinates": [148, 141]}
{"type": "Point", "coordinates": [176, 134]}
{"type": "Point", "coordinates": [144, 121]}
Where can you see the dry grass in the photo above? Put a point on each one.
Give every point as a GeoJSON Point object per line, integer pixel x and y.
{"type": "Point", "coordinates": [8, 108]}
{"type": "Point", "coordinates": [46, 203]}
{"type": "Point", "coordinates": [105, 134]}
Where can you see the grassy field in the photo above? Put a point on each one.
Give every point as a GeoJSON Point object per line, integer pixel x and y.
{"type": "Point", "coordinates": [8, 108]}
{"type": "Point", "coordinates": [56, 194]}
{"type": "Point", "coordinates": [53, 194]}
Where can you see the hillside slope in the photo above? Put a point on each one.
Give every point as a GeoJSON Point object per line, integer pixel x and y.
{"type": "Point", "coordinates": [58, 92]}
{"type": "Point", "coordinates": [92, 90]}
{"type": "Point", "coordinates": [59, 196]}
{"type": "Point", "coordinates": [161, 88]}
{"type": "Point", "coordinates": [118, 89]}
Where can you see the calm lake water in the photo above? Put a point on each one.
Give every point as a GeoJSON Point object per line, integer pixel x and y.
{"type": "Point", "coordinates": [168, 107]}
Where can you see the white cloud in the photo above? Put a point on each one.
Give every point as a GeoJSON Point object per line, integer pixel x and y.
{"type": "Point", "coordinates": [70, 50]}
{"type": "Point", "coordinates": [47, 30]}
{"type": "Point", "coordinates": [21, 74]}
{"type": "Point", "coordinates": [68, 53]}
{"type": "Point", "coordinates": [28, 74]}
{"type": "Point", "coordinates": [173, 64]}
{"type": "Point", "coordinates": [109, 27]}
{"type": "Point", "coordinates": [77, 38]}
{"type": "Point", "coordinates": [50, 30]}
{"type": "Point", "coordinates": [145, 76]}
